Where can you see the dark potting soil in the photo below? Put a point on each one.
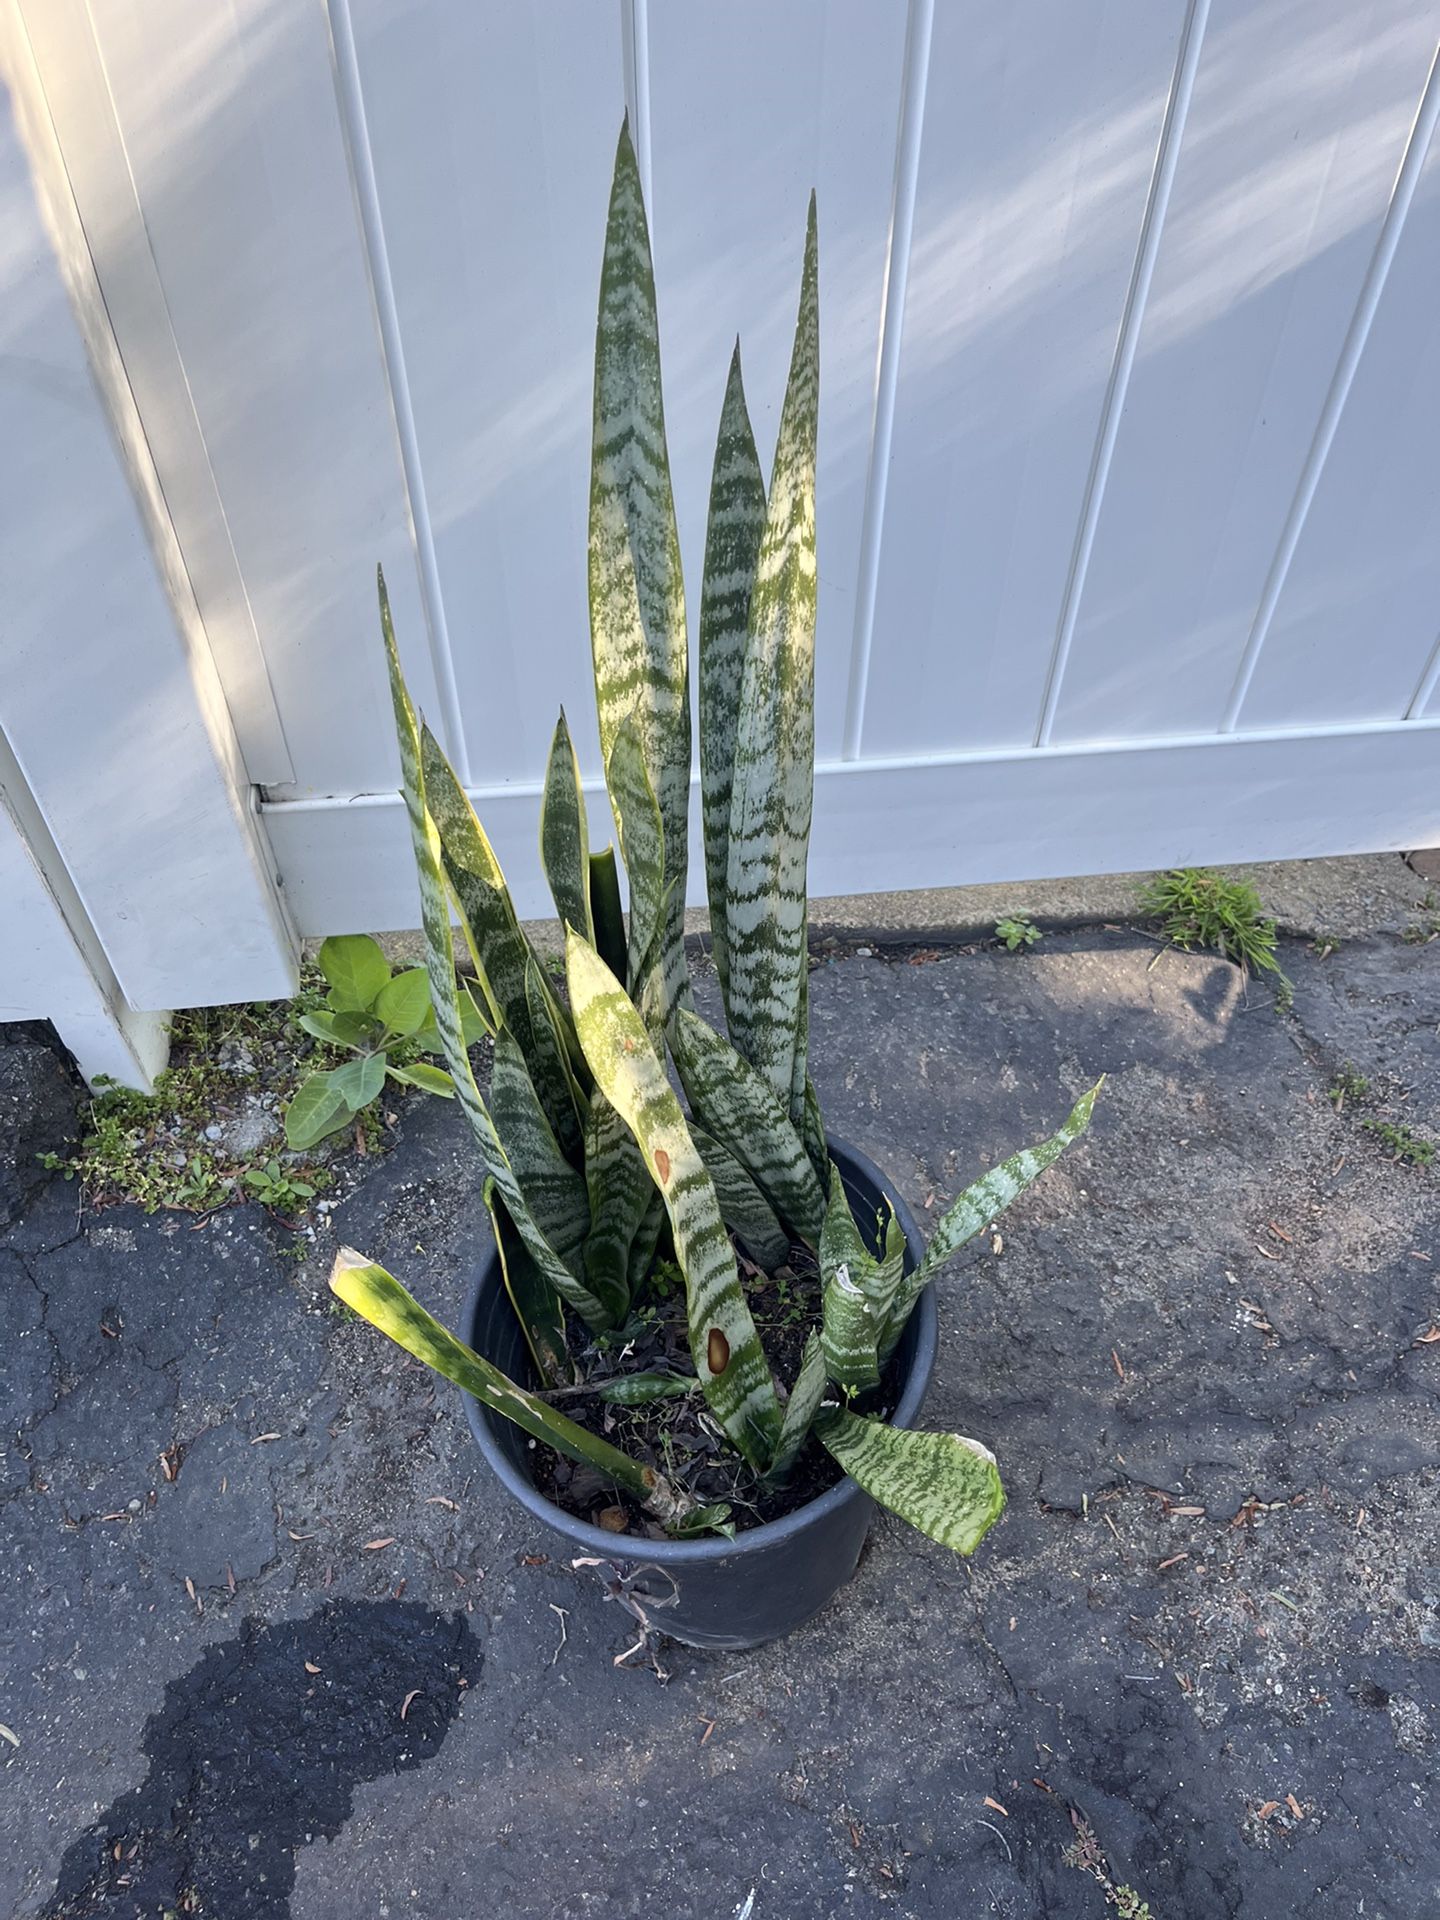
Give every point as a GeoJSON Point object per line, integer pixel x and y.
{"type": "Point", "coordinates": [679, 1436]}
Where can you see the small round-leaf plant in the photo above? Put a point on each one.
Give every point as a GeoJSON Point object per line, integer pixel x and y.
{"type": "Point", "coordinates": [385, 1022]}
{"type": "Point", "coordinates": [602, 1184]}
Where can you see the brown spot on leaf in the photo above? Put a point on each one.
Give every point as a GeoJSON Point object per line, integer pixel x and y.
{"type": "Point", "coordinates": [662, 1164]}
{"type": "Point", "coordinates": [717, 1351]}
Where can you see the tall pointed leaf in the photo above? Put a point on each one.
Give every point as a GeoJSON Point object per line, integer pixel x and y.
{"type": "Point", "coordinates": [620, 1189]}
{"type": "Point", "coordinates": [981, 1203]}
{"type": "Point", "coordinates": [536, 1303]}
{"type": "Point", "coordinates": [445, 990]}
{"type": "Point", "coordinates": [565, 834]}
{"type": "Point", "coordinates": [377, 1296]}
{"type": "Point", "coordinates": [553, 1190]}
{"type": "Point", "coordinates": [732, 1101]}
{"type": "Point", "coordinates": [775, 742]}
{"type": "Point", "coordinates": [550, 1065]}
{"type": "Point", "coordinates": [732, 550]}
{"type": "Point", "coordinates": [743, 1207]}
{"type": "Point", "coordinates": [637, 596]}
{"type": "Point", "coordinates": [852, 1325]}
{"type": "Point", "coordinates": [800, 1409]}
{"type": "Point", "coordinates": [642, 846]}
{"type": "Point", "coordinates": [943, 1484]}
{"type": "Point", "coordinates": [724, 1345]}
{"type": "Point", "coordinates": [606, 911]}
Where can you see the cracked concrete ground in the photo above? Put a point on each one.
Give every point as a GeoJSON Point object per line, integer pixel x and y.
{"type": "Point", "coordinates": [325, 1671]}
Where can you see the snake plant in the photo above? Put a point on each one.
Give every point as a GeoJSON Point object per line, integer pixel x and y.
{"type": "Point", "coordinates": [593, 1168]}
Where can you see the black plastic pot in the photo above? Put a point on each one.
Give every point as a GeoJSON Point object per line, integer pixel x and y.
{"type": "Point", "coordinates": [713, 1592]}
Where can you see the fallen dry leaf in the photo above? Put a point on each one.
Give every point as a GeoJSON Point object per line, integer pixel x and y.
{"type": "Point", "coordinates": [1189, 1510]}
{"type": "Point", "coordinates": [310, 1667]}
{"type": "Point", "coordinates": [8, 1733]}
{"type": "Point", "coordinates": [414, 1694]}
{"type": "Point", "coordinates": [1295, 1807]}
{"type": "Point", "coordinates": [190, 1589]}
{"type": "Point", "coordinates": [613, 1519]}
{"type": "Point", "coordinates": [1427, 1339]}
{"type": "Point", "coordinates": [374, 1546]}
{"type": "Point", "coordinates": [261, 1438]}
{"type": "Point", "coordinates": [439, 1500]}
{"type": "Point", "coordinates": [300, 1536]}
{"type": "Point", "coordinates": [1173, 1561]}
{"type": "Point", "coordinates": [1264, 1812]}
{"type": "Point", "coordinates": [1279, 1232]}
{"type": "Point", "coordinates": [996, 1807]}
{"type": "Point", "coordinates": [1119, 1365]}
{"type": "Point", "coordinates": [229, 1576]}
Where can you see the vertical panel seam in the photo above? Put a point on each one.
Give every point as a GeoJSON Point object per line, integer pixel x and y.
{"type": "Point", "coordinates": [1127, 340]}
{"type": "Point", "coordinates": [355, 128]}
{"type": "Point", "coordinates": [1387, 242]}
{"type": "Point", "coordinates": [915, 82]}
{"type": "Point", "coordinates": [635, 50]}
{"type": "Point", "coordinates": [1426, 685]}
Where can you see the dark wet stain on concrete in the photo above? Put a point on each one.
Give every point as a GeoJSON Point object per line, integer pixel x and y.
{"type": "Point", "coordinates": [252, 1755]}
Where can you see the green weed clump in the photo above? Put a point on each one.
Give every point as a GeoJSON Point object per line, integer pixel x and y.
{"type": "Point", "coordinates": [1198, 907]}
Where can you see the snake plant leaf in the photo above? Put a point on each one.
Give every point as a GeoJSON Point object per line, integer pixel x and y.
{"type": "Point", "coordinates": [565, 834]}
{"type": "Point", "coordinates": [642, 1389]}
{"type": "Point", "coordinates": [553, 1190]}
{"type": "Point", "coordinates": [642, 847]}
{"type": "Point", "coordinates": [733, 533]}
{"type": "Point", "coordinates": [646, 1241]}
{"type": "Point", "coordinates": [724, 1345]}
{"type": "Point", "coordinates": [812, 1125]}
{"type": "Point", "coordinates": [445, 991]}
{"type": "Point", "coordinates": [620, 1189]}
{"type": "Point", "coordinates": [800, 1409]}
{"type": "Point", "coordinates": [852, 1322]}
{"type": "Point", "coordinates": [981, 1203]}
{"type": "Point", "coordinates": [536, 1303]}
{"type": "Point", "coordinates": [743, 1207]}
{"type": "Point", "coordinates": [943, 1484]}
{"type": "Point", "coordinates": [606, 911]}
{"type": "Point", "coordinates": [551, 1068]}
{"type": "Point", "coordinates": [732, 1101]}
{"type": "Point", "coordinates": [774, 781]}
{"type": "Point", "coordinates": [377, 1296]}
{"type": "Point", "coordinates": [637, 596]}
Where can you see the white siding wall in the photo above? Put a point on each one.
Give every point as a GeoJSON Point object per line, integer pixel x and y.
{"type": "Point", "coordinates": [1130, 515]}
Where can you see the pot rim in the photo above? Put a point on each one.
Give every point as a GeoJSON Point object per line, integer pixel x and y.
{"type": "Point", "coordinates": [773, 1533]}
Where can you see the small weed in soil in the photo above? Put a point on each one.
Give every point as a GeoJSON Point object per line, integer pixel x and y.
{"type": "Point", "coordinates": [672, 1429]}
{"type": "Point", "coordinates": [1086, 1855]}
{"type": "Point", "coordinates": [211, 1134]}
{"type": "Point", "coordinates": [1016, 931]}
{"type": "Point", "coordinates": [1197, 907]}
{"type": "Point", "coordinates": [1403, 1144]}
{"type": "Point", "coordinates": [1348, 1085]}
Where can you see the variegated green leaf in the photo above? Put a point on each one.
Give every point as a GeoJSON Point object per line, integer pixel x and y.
{"type": "Point", "coordinates": [647, 1240]}
{"type": "Point", "coordinates": [637, 597]}
{"type": "Point", "coordinates": [550, 1064]}
{"type": "Point", "coordinates": [800, 1409]}
{"type": "Point", "coordinates": [606, 911]}
{"type": "Point", "coordinates": [642, 847]}
{"type": "Point", "coordinates": [378, 1297]}
{"type": "Point", "coordinates": [981, 1203]}
{"type": "Point", "coordinates": [732, 549]}
{"type": "Point", "coordinates": [536, 1303]}
{"type": "Point", "coordinates": [553, 1190]}
{"type": "Point", "coordinates": [775, 743]}
{"type": "Point", "coordinates": [943, 1484]}
{"type": "Point", "coordinates": [445, 989]}
{"type": "Point", "coordinates": [731, 1100]}
{"type": "Point", "coordinates": [852, 1325]}
{"type": "Point", "coordinates": [743, 1207]}
{"type": "Point", "coordinates": [812, 1125]}
{"type": "Point", "coordinates": [621, 1191]}
{"type": "Point", "coordinates": [724, 1345]}
{"type": "Point", "coordinates": [565, 834]}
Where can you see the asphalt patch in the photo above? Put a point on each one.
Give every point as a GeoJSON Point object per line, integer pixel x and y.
{"type": "Point", "coordinates": [258, 1750]}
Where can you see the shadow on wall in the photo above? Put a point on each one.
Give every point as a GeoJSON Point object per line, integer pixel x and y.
{"type": "Point", "coordinates": [253, 1754]}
